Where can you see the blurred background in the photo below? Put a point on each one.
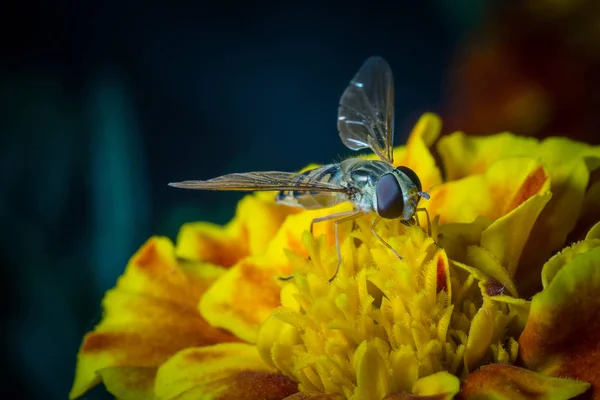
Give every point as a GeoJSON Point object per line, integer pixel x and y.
{"type": "Point", "coordinates": [104, 103]}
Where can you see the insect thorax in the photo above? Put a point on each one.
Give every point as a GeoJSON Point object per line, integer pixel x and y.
{"type": "Point", "coordinates": [363, 176]}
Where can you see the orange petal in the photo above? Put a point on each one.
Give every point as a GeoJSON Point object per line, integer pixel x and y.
{"type": "Point", "coordinates": [149, 316]}
{"type": "Point", "coordinates": [562, 335]}
{"type": "Point", "coordinates": [222, 371]}
{"type": "Point", "coordinates": [289, 236]}
{"type": "Point", "coordinates": [244, 296]}
{"type": "Point", "coordinates": [507, 382]}
{"type": "Point", "coordinates": [257, 220]}
{"type": "Point", "coordinates": [204, 241]}
{"type": "Point", "coordinates": [129, 383]}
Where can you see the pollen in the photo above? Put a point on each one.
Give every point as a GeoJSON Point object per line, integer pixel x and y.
{"type": "Point", "coordinates": [384, 325]}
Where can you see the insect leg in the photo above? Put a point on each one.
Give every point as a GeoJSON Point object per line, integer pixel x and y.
{"type": "Point", "coordinates": [386, 244]}
{"type": "Point", "coordinates": [328, 218]}
{"type": "Point", "coordinates": [354, 215]}
{"type": "Point", "coordinates": [428, 220]}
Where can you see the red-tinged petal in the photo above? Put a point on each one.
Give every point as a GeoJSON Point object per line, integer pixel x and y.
{"type": "Point", "coordinates": [507, 382]}
{"type": "Point", "coordinates": [562, 335]}
{"type": "Point", "coordinates": [149, 316]}
{"type": "Point", "coordinates": [559, 217]}
{"type": "Point", "coordinates": [223, 371]}
{"type": "Point", "coordinates": [257, 220]}
{"type": "Point", "coordinates": [244, 296]}
{"type": "Point", "coordinates": [504, 186]}
{"type": "Point", "coordinates": [129, 383]}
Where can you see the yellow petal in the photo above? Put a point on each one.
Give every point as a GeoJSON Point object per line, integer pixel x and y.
{"type": "Point", "coordinates": [480, 338]}
{"type": "Point", "coordinates": [557, 262]}
{"type": "Point", "coordinates": [129, 383]}
{"type": "Point", "coordinates": [244, 296]}
{"type": "Point", "coordinates": [417, 156]}
{"type": "Point", "coordinates": [507, 382]}
{"type": "Point", "coordinates": [149, 316]}
{"type": "Point", "coordinates": [594, 232]}
{"type": "Point", "coordinates": [275, 344]}
{"type": "Point", "coordinates": [223, 371]}
{"type": "Point", "coordinates": [461, 201]}
{"type": "Point", "coordinates": [590, 211]}
{"type": "Point", "coordinates": [499, 281]}
{"type": "Point", "coordinates": [408, 396]}
{"type": "Point", "coordinates": [557, 219]}
{"type": "Point", "coordinates": [506, 237]}
{"type": "Point", "coordinates": [520, 308]}
{"type": "Point", "coordinates": [563, 331]}
{"type": "Point", "coordinates": [289, 236]}
{"type": "Point", "coordinates": [504, 186]}
{"type": "Point", "coordinates": [456, 238]}
{"type": "Point", "coordinates": [372, 373]}
{"type": "Point", "coordinates": [256, 222]}
{"type": "Point", "coordinates": [441, 383]}
{"type": "Point", "coordinates": [312, 395]}
{"type": "Point", "coordinates": [471, 155]}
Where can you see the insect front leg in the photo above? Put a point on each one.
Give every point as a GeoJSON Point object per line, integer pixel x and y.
{"type": "Point", "coordinates": [342, 216]}
{"type": "Point", "coordinates": [386, 244]}
{"type": "Point", "coordinates": [423, 209]}
{"type": "Point", "coordinates": [353, 216]}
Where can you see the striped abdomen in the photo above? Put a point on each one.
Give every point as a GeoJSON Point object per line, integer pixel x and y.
{"type": "Point", "coordinates": [311, 200]}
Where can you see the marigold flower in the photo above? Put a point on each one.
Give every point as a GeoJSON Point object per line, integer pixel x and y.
{"type": "Point", "coordinates": [454, 318]}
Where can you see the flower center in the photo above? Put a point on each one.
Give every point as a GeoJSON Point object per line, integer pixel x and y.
{"type": "Point", "coordinates": [383, 322]}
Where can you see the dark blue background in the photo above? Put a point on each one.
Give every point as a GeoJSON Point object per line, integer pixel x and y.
{"type": "Point", "coordinates": [104, 103]}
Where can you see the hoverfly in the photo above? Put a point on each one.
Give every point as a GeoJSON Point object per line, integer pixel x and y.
{"type": "Point", "coordinates": [365, 120]}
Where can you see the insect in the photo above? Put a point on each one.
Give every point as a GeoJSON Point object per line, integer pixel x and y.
{"type": "Point", "coordinates": [365, 120]}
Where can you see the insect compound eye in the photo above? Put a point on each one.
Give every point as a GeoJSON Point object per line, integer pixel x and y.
{"type": "Point", "coordinates": [390, 200]}
{"type": "Point", "coordinates": [412, 175]}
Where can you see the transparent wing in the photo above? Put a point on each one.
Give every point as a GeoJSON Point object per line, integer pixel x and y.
{"type": "Point", "coordinates": [366, 112]}
{"type": "Point", "coordinates": [264, 181]}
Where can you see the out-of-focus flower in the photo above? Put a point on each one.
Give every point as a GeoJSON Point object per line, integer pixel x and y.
{"type": "Point", "coordinates": [209, 319]}
{"type": "Point", "coordinates": [532, 68]}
